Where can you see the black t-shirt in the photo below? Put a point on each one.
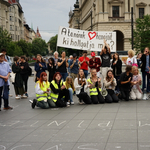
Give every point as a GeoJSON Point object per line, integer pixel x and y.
{"type": "Point", "coordinates": [124, 77]}
{"type": "Point", "coordinates": [105, 60]}
{"type": "Point", "coordinates": [62, 68]}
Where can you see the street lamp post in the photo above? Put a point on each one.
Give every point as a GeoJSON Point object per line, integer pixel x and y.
{"type": "Point", "coordinates": [91, 21]}
{"type": "Point", "coordinates": [132, 27]}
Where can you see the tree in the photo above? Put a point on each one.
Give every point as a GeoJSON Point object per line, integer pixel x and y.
{"type": "Point", "coordinates": [5, 38]}
{"type": "Point", "coordinates": [39, 46]}
{"type": "Point", "coordinates": [13, 49]}
{"type": "Point", "coordinates": [142, 34]}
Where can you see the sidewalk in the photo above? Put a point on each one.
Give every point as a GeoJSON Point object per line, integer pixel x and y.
{"type": "Point", "coordinates": [116, 126]}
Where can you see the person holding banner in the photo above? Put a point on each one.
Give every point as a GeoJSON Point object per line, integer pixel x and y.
{"type": "Point", "coordinates": [84, 62]}
{"type": "Point", "coordinates": [95, 63]}
{"type": "Point", "coordinates": [105, 56]}
{"type": "Point", "coordinates": [63, 65]}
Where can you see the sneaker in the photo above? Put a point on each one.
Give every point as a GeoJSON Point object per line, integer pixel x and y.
{"type": "Point", "coordinates": [68, 103]}
{"type": "Point", "coordinates": [6, 108]}
{"type": "Point", "coordinates": [17, 97]}
{"type": "Point", "coordinates": [72, 103]}
{"type": "Point", "coordinates": [26, 94]}
{"type": "Point", "coordinates": [34, 103]}
{"type": "Point", "coordinates": [10, 95]}
{"type": "Point", "coordinates": [31, 101]}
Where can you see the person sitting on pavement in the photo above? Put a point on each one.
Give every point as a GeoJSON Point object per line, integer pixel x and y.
{"type": "Point", "coordinates": [58, 91]}
{"type": "Point", "coordinates": [110, 84]}
{"type": "Point", "coordinates": [70, 86]}
{"type": "Point", "coordinates": [136, 92]}
{"type": "Point", "coordinates": [94, 84]}
{"type": "Point", "coordinates": [81, 87]}
{"type": "Point", "coordinates": [5, 71]}
{"type": "Point", "coordinates": [42, 90]}
{"type": "Point", "coordinates": [125, 83]}
{"type": "Point", "coordinates": [18, 82]}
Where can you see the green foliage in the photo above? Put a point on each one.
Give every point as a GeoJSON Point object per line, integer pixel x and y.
{"type": "Point", "coordinates": [39, 46]}
{"type": "Point", "coordinates": [142, 34]}
{"type": "Point", "coordinates": [5, 38]}
{"type": "Point", "coordinates": [14, 50]}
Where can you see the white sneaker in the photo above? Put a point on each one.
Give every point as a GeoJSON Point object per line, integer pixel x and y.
{"type": "Point", "coordinates": [10, 95]}
{"type": "Point", "coordinates": [24, 96]}
{"type": "Point", "coordinates": [68, 103]}
{"type": "Point", "coordinates": [31, 101]}
{"type": "Point", "coordinates": [72, 103]}
{"type": "Point", "coordinates": [17, 97]}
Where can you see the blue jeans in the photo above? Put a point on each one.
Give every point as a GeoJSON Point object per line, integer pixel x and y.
{"type": "Point", "coordinates": [64, 75]}
{"type": "Point", "coordinates": [85, 73]}
{"type": "Point", "coordinates": [144, 74]}
{"type": "Point", "coordinates": [117, 80]}
{"type": "Point", "coordinates": [70, 94]}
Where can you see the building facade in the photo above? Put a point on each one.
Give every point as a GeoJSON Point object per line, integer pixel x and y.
{"type": "Point", "coordinates": [16, 19]}
{"type": "Point", "coordinates": [109, 15]}
{"type": "Point", "coordinates": [4, 14]}
{"type": "Point", "coordinates": [27, 33]}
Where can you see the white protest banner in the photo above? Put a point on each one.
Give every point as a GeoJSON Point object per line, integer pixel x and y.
{"type": "Point", "coordinates": [85, 40]}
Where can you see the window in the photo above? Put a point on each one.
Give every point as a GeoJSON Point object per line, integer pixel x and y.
{"type": "Point", "coordinates": [141, 13]}
{"type": "Point", "coordinates": [16, 37]}
{"type": "Point", "coordinates": [11, 28]}
{"type": "Point", "coordinates": [12, 36]}
{"type": "Point", "coordinates": [16, 28]}
{"type": "Point", "coordinates": [115, 11]}
{"type": "Point", "coordinates": [11, 18]}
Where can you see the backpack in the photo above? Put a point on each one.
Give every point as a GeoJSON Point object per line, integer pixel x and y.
{"type": "Point", "coordinates": [29, 71]}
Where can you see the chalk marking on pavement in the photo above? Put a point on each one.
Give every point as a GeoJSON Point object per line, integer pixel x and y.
{"type": "Point", "coordinates": [143, 124]}
{"type": "Point", "coordinates": [19, 146]}
{"type": "Point", "coordinates": [56, 123]}
{"type": "Point", "coordinates": [83, 147]}
{"type": "Point", "coordinates": [4, 148]}
{"type": "Point", "coordinates": [56, 146]}
{"type": "Point", "coordinates": [33, 124]}
{"type": "Point", "coordinates": [79, 126]}
{"type": "Point", "coordinates": [104, 124]}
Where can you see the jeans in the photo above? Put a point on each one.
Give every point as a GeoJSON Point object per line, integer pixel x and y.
{"type": "Point", "coordinates": [25, 81]}
{"type": "Point", "coordinates": [144, 74]}
{"type": "Point", "coordinates": [85, 97]}
{"type": "Point", "coordinates": [117, 79]}
{"type": "Point", "coordinates": [125, 95]}
{"type": "Point", "coordinates": [111, 97]}
{"type": "Point", "coordinates": [64, 75]}
{"type": "Point", "coordinates": [5, 90]}
{"type": "Point", "coordinates": [85, 73]}
{"type": "Point", "coordinates": [70, 94]}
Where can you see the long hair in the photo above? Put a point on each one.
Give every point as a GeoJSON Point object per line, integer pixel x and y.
{"type": "Point", "coordinates": [79, 78]}
{"type": "Point", "coordinates": [133, 68]}
{"type": "Point", "coordinates": [72, 83]}
{"type": "Point", "coordinates": [107, 77]}
{"type": "Point", "coordinates": [56, 75]}
{"type": "Point", "coordinates": [41, 79]}
{"type": "Point", "coordinates": [52, 59]}
{"type": "Point", "coordinates": [42, 60]}
{"type": "Point", "coordinates": [114, 59]}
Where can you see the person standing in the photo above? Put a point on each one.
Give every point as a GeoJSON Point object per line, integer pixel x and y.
{"type": "Point", "coordinates": [106, 57]}
{"type": "Point", "coordinates": [145, 67]}
{"type": "Point", "coordinates": [18, 83]}
{"type": "Point", "coordinates": [84, 63]}
{"type": "Point", "coordinates": [74, 67]}
{"type": "Point", "coordinates": [139, 62]}
{"type": "Point", "coordinates": [69, 60]}
{"type": "Point", "coordinates": [63, 65]}
{"type": "Point", "coordinates": [95, 63]}
{"type": "Point", "coordinates": [125, 83]}
{"type": "Point", "coordinates": [117, 69]}
{"type": "Point", "coordinates": [7, 58]}
{"type": "Point", "coordinates": [5, 71]}
{"type": "Point", "coordinates": [56, 58]}
{"type": "Point", "coordinates": [24, 73]}
{"type": "Point", "coordinates": [51, 68]}
{"type": "Point", "coordinates": [40, 66]}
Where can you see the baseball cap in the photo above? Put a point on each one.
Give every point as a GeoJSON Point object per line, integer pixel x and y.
{"type": "Point", "coordinates": [1, 54]}
{"type": "Point", "coordinates": [92, 54]}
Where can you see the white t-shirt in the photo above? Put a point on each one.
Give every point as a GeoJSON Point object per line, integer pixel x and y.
{"type": "Point", "coordinates": [131, 61]}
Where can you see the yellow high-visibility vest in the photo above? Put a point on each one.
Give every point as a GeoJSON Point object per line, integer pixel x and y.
{"type": "Point", "coordinates": [93, 91]}
{"type": "Point", "coordinates": [44, 87]}
{"type": "Point", "coordinates": [53, 95]}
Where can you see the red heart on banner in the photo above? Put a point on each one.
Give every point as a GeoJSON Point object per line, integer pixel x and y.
{"type": "Point", "coordinates": [92, 35]}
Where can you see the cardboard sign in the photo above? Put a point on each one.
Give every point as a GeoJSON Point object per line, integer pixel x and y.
{"type": "Point", "coordinates": [85, 40]}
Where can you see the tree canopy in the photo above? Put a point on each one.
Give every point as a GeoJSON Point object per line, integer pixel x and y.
{"type": "Point", "coordinates": [142, 34]}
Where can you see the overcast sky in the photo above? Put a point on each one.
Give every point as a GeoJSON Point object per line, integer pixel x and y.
{"type": "Point", "coordinates": [48, 15]}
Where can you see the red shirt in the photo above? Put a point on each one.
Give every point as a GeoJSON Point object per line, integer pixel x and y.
{"type": "Point", "coordinates": [84, 65]}
{"type": "Point", "coordinates": [96, 64]}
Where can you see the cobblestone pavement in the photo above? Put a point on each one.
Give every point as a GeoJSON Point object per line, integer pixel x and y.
{"type": "Point", "coordinates": [117, 126]}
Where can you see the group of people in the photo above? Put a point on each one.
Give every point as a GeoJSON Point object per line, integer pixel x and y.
{"type": "Point", "coordinates": [68, 77]}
